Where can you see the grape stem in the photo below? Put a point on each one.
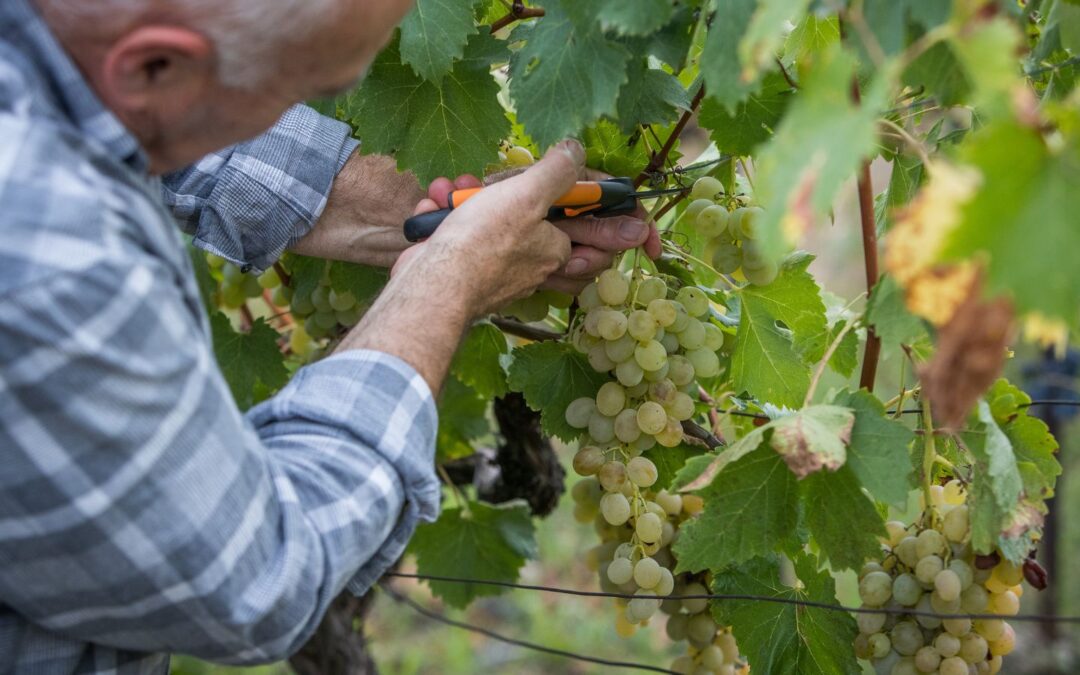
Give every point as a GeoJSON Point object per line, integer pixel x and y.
{"type": "Point", "coordinates": [660, 157]}
{"type": "Point", "coordinates": [678, 251]}
{"type": "Point", "coordinates": [524, 330]}
{"type": "Point", "coordinates": [825, 361]}
{"type": "Point", "coordinates": [518, 12]}
{"type": "Point", "coordinates": [248, 319]}
{"type": "Point", "coordinates": [929, 456]}
{"type": "Point", "coordinates": [462, 503]}
{"type": "Point", "coordinates": [284, 276]}
{"type": "Point", "coordinates": [696, 431]}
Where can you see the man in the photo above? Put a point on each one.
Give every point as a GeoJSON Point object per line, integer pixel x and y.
{"type": "Point", "coordinates": [140, 512]}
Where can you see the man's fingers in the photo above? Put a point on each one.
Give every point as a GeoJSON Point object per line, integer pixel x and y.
{"type": "Point", "coordinates": [653, 249]}
{"type": "Point", "coordinates": [617, 233]}
{"type": "Point", "coordinates": [439, 191]}
{"type": "Point", "coordinates": [425, 206]}
{"type": "Point", "coordinates": [466, 181]}
{"type": "Point", "coordinates": [587, 262]}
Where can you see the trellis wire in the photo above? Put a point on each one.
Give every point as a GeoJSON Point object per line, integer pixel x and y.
{"type": "Point", "coordinates": [744, 597]}
{"type": "Point", "coordinates": [435, 616]}
{"type": "Point", "coordinates": [913, 411]}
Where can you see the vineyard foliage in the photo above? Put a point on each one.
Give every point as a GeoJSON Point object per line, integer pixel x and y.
{"type": "Point", "coordinates": [972, 105]}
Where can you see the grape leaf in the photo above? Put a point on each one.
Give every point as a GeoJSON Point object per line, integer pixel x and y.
{"type": "Point", "coordinates": [624, 17]}
{"type": "Point", "coordinates": [907, 177]}
{"type": "Point", "coordinates": [478, 361]}
{"type": "Point", "coordinates": [248, 358]}
{"type": "Point", "coordinates": [750, 508]}
{"type": "Point", "coordinates": [650, 96]}
{"type": "Point", "coordinates": [363, 281]}
{"type": "Point", "coordinates": [763, 37]}
{"type": "Point", "coordinates": [887, 22]}
{"type": "Point", "coordinates": [433, 130]}
{"type": "Point", "coordinates": [819, 144]}
{"type": "Point", "coordinates": [1024, 185]}
{"type": "Point", "coordinates": [671, 43]}
{"type": "Point", "coordinates": [462, 419]}
{"type": "Point", "coordinates": [609, 150]}
{"type": "Point", "coordinates": [669, 461]}
{"type": "Point", "coordinates": [842, 520]}
{"type": "Point", "coordinates": [480, 542]}
{"type": "Point", "coordinates": [987, 52]}
{"type": "Point", "coordinates": [768, 360]}
{"type": "Point", "coordinates": [813, 439]}
{"type": "Point", "coordinates": [940, 74]}
{"type": "Point", "coordinates": [565, 77]}
{"type": "Point", "coordinates": [434, 34]}
{"type": "Point", "coordinates": [206, 283]}
{"type": "Point", "coordinates": [889, 316]}
{"type": "Point", "coordinates": [812, 35]}
{"type": "Point", "coordinates": [878, 451]}
{"type": "Point", "coordinates": [551, 375]}
{"type": "Point", "coordinates": [846, 355]}
{"type": "Point", "coordinates": [783, 639]}
{"type": "Point", "coordinates": [752, 122]}
{"type": "Point", "coordinates": [996, 482]}
{"type": "Point", "coordinates": [305, 273]}
{"type": "Point", "coordinates": [720, 57]}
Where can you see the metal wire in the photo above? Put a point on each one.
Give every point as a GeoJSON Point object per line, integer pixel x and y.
{"type": "Point", "coordinates": [913, 411]}
{"type": "Point", "coordinates": [745, 597]}
{"type": "Point", "coordinates": [435, 616]}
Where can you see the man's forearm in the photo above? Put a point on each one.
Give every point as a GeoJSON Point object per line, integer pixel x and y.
{"type": "Point", "coordinates": [363, 219]}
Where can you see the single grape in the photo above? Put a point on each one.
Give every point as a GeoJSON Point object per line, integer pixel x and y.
{"type": "Point", "coordinates": [621, 349]}
{"type": "Point", "coordinates": [867, 568]}
{"type": "Point", "coordinates": [519, 156]}
{"type": "Point", "coordinates": [930, 542]}
{"type": "Point", "coordinates": [653, 288]}
{"type": "Point", "coordinates": [644, 605]}
{"type": "Point", "coordinates": [712, 657]}
{"type": "Point", "coordinates": [973, 648]}
{"type": "Point", "coordinates": [706, 187]}
{"type": "Point", "coordinates": [761, 276]}
{"type": "Point", "coordinates": [954, 492]}
{"type": "Point", "coordinates": [694, 300]}
{"type": "Point", "coordinates": [350, 317]}
{"type": "Point", "coordinates": [1008, 574]}
{"type": "Point", "coordinates": [580, 411]}
{"type": "Point", "coordinates": [611, 325]}
{"type": "Point", "coordinates": [1004, 645]}
{"type": "Point", "coordinates": [651, 355]}
{"type": "Point", "coordinates": [269, 279]}
{"type": "Point", "coordinates": [215, 262]}
{"type": "Point", "coordinates": [870, 623]}
{"type": "Point", "coordinates": [958, 627]}
{"type": "Point", "coordinates": [626, 426]}
{"type": "Point", "coordinates": [974, 599]}
{"type": "Point", "coordinates": [651, 417]}
{"type": "Point", "coordinates": [613, 287]}
{"type": "Point", "coordinates": [641, 325]}
{"type": "Point", "coordinates": [954, 665]}
{"type": "Point", "coordinates": [657, 375]}
{"type": "Point", "coordinates": [663, 311]}
{"type": "Point", "coordinates": [714, 337]}
{"type": "Point", "coordinates": [875, 588]}
{"type": "Point", "coordinates": [588, 460]}
{"type": "Point", "coordinates": [694, 605]}
{"type": "Point", "coordinates": [955, 523]}
{"type": "Point", "coordinates": [251, 286]}
{"type": "Point", "coordinates": [648, 527]}
{"type": "Point", "coordinates": [666, 585]}
{"type": "Point", "coordinates": [682, 318]}
{"type": "Point", "coordinates": [879, 645]}
{"type": "Point", "coordinates": [701, 628]}
{"type": "Point", "coordinates": [611, 399]}
{"type": "Point", "coordinates": [615, 508]}
{"type": "Point", "coordinates": [693, 336]}
{"type": "Point", "coordinates": [629, 373]}
{"type": "Point", "coordinates": [325, 320]}
{"type": "Point", "coordinates": [680, 370]}
{"type": "Point", "coordinates": [947, 644]}
{"type": "Point", "coordinates": [991, 629]}
{"type": "Point", "coordinates": [906, 637]}
{"type": "Point", "coordinates": [705, 362]}
{"type": "Point", "coordinates": [620, 571]}
{"type": "Point", "coordinates": [589, 298]}
{"type": "Point", "coordinates": [682, 408]}
{"type": "Point", "coordinates": [624, 628]}
{"type": "Point", "coordinates": [642, 472]}
{"type": "Point", "coordinates": [963, 572]}
{"type": "Point", "coordinates": [342, 301]}
{"type": "Point", "coordinates": [299, 340]}
{"type": "Point", "coordinates": [947, 585]}
{"type": "Point", "coordinates": [906, 590]}
{"type": "Point", "coordinates": [943, 606]}
{"type": "Point", "coordinates": [905, 551]}
{"type": "Point", "coordinates": [926, 618]}
{"type": "Point", "coordinates": [928, 568]}
{"type": "Point", "coordinates": [670, 341]}
{"type": "Point", "coordinates": [672, 435]}
{"type": "Point", "coordinates": [1004, 603]}
{"type": "Point", "coordinates": [647, 573]}
{"type": "Point", "coordinates": [727, 258]}
{"type": "Point", "coordinates": [320, 298]}
{"type": "Point", "coordinates": [749, 223]}
{"type": "Point", "coordinates": [676, 631]}
{"type": "Point", "coordinates": [712, 221]}
{"type": "Point", "coordinates": [601, 428]}
{"type": "Point", "coordinates": [587, 491]}
{"type": "Point", "coordinates": [599, 360]}
{"type": "Point", "coordinates": [927, 659]}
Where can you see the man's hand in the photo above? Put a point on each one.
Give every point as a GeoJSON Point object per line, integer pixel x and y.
{"type": "Point", "coordinates": [596, 240]}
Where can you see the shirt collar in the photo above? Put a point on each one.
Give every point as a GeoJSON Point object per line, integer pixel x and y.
{"type": "Point", "coordinates": [21, 25]}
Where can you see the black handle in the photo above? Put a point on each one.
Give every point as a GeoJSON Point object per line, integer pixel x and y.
{"type": "Point", "coordinates": [424, 225]}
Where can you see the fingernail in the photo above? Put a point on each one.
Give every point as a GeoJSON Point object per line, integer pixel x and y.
{"type": "Point", "coordinates": [632, 230]}
{"type": "Point", "coordinates": [577, 266]}
{"type": "Point", "coordinates": [574, 149]}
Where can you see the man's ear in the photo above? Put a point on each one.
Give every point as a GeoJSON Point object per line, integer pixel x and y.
{"type": "Point", "coordinates": [158, 65]}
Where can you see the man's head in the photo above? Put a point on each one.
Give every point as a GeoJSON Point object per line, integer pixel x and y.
{"type": "Point", "coordinates": [191, 76]}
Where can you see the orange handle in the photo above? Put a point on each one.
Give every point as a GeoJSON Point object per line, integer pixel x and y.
{"type": "Point", "coordinates": [582, 194]}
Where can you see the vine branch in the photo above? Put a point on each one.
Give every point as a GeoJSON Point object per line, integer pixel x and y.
{"type": "Point", "coordinates": [524, 330]}
{"type": "Point", "coordinates": [699, 433]}
{"type": "Point", "coordinates": [660, 157]}
{"type": "Point", "coordinates": [872, 350]}
{"type": "Point", "coordinates": [518, 12]}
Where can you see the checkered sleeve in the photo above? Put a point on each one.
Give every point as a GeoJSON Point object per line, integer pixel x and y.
{"type": "Point", "coordinates": [139, 509]}
{"type": "Point", "coordinates": [251, 201]}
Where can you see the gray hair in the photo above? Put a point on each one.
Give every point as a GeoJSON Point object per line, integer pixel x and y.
{"type": "Point", "coordinates": [248, 35]}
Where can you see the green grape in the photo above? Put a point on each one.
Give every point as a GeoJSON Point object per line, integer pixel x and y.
{"type": "Point", "coordinates": [712, 221]}
{"type": "Point", "coordinates": [954, 665]}
{"type": "Point", "coordinates": [350, 317]}
{"type": "Point", "coordinates": [557, 300]}
{"type": "Point", "coordinates": [680, 370]}
{"type": "Point", "coordinates": [302, 305]}
{"type": "Point", "coordinates": [656, 375]}
{"type": "Point", "coordinates": [672, 434]}
{"type": "Point", "coordinates": [320, 297]}
{"type": "Point", "coordinates": [693, 336]}
{"type": "Point", "coordinates": [531, 308]}
{"type": "Point", "coordinates": [694, 300]}
{"type": "Point", "coordinates": [325, 320]}
{"type": "Point", "coordinates": [705, 362]}
{"type": "Point", "coordinates": [651, 417]}
{"type": "Point", "coordinates": [906, 590]}
{"type": "Point", "coordinates": [644, 605]}
{"type": "Point", "coordinates": [643, 443]}
{"type": "Point", "coordinates": [926, 621]}
{"type": "Point", "coordinates": [611, 399]}
{"type": "Point", "coordinates": [269, 279]}
{"type": "Point", "coordinates": [712, 657]}
{"type": "Point", "coordinates": [682, 408]}
{"type": "Point", "coordinates": [947, 644]}
{"type": "Point", "coordinates": [612, 325]}
{"type": "Point", "coordinates": [958, 627]}
{"type": "Point", "coordinates": [701, 628]}
{"type": "Point", "coordinates": [642, 472]}
{"type": "Point", "coordinates": [666, 584]}
{"type": "Point", "coordinates": [647, 573]}
{"type": "Point", "coordinates": [650, 355]}
{"type": "Point", "coordinates": [599, 360]}
{"type": "Point", "coordinates": [580, 411]}
{"type": "Point", "coordinates": [517, 155]}
{"type": "Point", "coordinates": [613, 287]}
{"type": "Point", "coordinates": [663, 311]}
{"type": "Point", "coordinates": [587, 491]}
{"type": "Point", "coordinates": [621, 349]}
{"type": "Point", "coordinates": [629, 373]}
{"type": "Point", "coordinates": [299, 340]}
{"type": "Point", "coordinates": [714, 337]}
{"type": "Point", "coordinates": [648, 527]}
{"type": "Point", "coordinates": [973, 648]}
{"type": "Point", "coordinates": [727, 258]}
{"type": "Point", "coordinates": [930, 542]}
{"type": "Point", "coordinates": [589, 298]}
{"type": "Point", "coordinates": [682, 318]}
{"type": "Point", "coordinates": [676, 631]}
{"type": "Point", "coordinates": [991, 629]}
{"type": "Point", "coordinates": [749, 222]}
{"type": "Point", "coordinates": [928, 568]}
{"type": "Point", "coordinates": [341, 301]}
{"type": "Point", "coordinates": [762, 276]}
{"type": "Point", "coordinates": [870, 623]}
{"type": "Point", "coordinates": [314, 329]}
{"type": "Point", "coordinates": [251, 286]}
{"type": "Point", "coordinates": [706, 187]}
{"type": "Point", "coordinates": [942, 606]}
{"type": "Point", "coordinates": [641, 325]}
{"type": "Point", "coordinates": [280, 297]}
{"type": "Point", "coordinates": [947, 585]}
{"type": "Point", "coordinates": [904, 666]}
{"type": "Point", "coordinates": [615, 508]}
{"type": "Point", "coordinates": [879, 645]}
{"type": "Point", "coordinates": [694, 209]}
{"type": "Point", "coordinates": [601, 428]}
{"type": "Point", "coordinates": [905, 551]}
{"type": "Point", "coordinates": [588, 460]}
{"type": "Point", "coordinates": [626, 426]}
{"type": "Point", "coordinates": [927, 659]}
{"type": "Point", "coordinates": [232, 296]}
{"type": "Point", "coordinates": [653, 288]}
{"type": "Point", "coordinates": [663, 392]}
{"type": "Point", "coordinates": [695, 605]}
{"type": "Point", "coordinates": [670, 341]}
{"type": "Point", "coordinates": [231, 273]}
{"type": "Point", "coordinates": [907, 638]}
{"type": "Point", "coordinates": [955, 524]}
{"type": "Point", "coordinates": [875, 588]}
{"type": "Point", "coordinates": [620, 571]}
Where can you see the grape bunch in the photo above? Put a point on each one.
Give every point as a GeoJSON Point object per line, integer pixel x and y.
{"type": "Point", "coordinates": [733, 234]}
{"type": "Point", "coordinates": [654, 342]}
{"type": "Point", "coordinates": [930, 568]}
{"type": "Point", "coordinates": [237, 286]}
{"type": "Point", "coordinates": [322, 311]}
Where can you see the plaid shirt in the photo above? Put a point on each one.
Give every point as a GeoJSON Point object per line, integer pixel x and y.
{"type": "Point", "coordinates": [140, 512]}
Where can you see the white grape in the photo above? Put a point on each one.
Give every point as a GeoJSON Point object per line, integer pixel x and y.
{"type": "Point", "coordinates": [642, 472]}
{"type": "Point", "coordinates": [1004, 603]}
{"type": "Point", "coordinates": [963, 572]}
{"type": "Point", "coordinates": [611, 399]}
{"type": "Point", "coordinates": [712, 220]}
{"type": "Point", "coordinates": [926, 619]}
{"type": "Point", "coordinates": [907, 590]}
{"type": "Point", "coordinates": [580, 411]}
{"type": "Point", "coordinates": [955, 523]}
{"type": "Point", "coordinates": [629, 373]}
{"type": "Point", "coordinates": [947, 644]}
{"type": "Point", "coordinates": [870, 623]}
{"type": "Point", "coordinates": [905, 551]}
{"type": "Point", "coordinates": [879, 645]}
{"type": "Point", "coordinates": [749, 222]}
{"type": "Point", "coordinates": [648, 527]}
{"type": "Point", "coordinates": [612, 475]}
{"type": "Point", "coordinates": [657, 375]}
{"type": "Point", "coordinates": [666, 584]}
{"type": "Point", "coordinates": [599, 360]}
{"type": "Point", "coordinates": [588, 460]}
{"type": "Point", "coordinates": [991, 629]}
{"type": "Point", "coordinates": [613, 287]}
{"type": "Point", "coordinates": [601, 428]}
{"type": "Point", "coordinates": [615, 508]}
{"type": "Point", "coordinates": [620, 571]}
{"type": "Point", "coordinates": [621, 349]}
{"type": "Point", "coordinates": [663, 311]}
{"type": "Point", "coordinates": [694, 300]}
{"type": "Point", "coordinates": [626, 426]}
{"type": "Point", "coordinates": [706, 187]}
{"type": "Point", "coordinates": [875, 588]}
{"type": "Point", "coordinates": [589, 298]}
{"type": "Point", "coordinates": [651, 417]}
{"type": "Point", "coordinates": [906, 637]}
{"type": "Point", "coordinates": [701, 628]}
{"type": "Point", "coordinates": [647, 573]}
{"type": "Point", "coordinates": [947, 585]}
{"type": "Point", "coordinates": [928, 568]}
{"type": "Point", "coordinates": [653, 288]}
{"type": "Point", "coordinates": [682, 408]}
{"type": "Point", "coordinates": [714, 337]}
{"type": "Point", "coordinates": [650, 355]}
{"type": "Point", "coordinates": [670, 342]}
{"type": "Point", "coordinates": [682, 318]}
{"type": "Point", "coordinates": [644, 605]}
{"type": "Point", "coordinates": [727, 258]}
{"type": "Point", "coordinates": [641, 325]}
{"type": "Point", "coordinates": [693, 337]}
{"type": "Point", "coordinates": [695, 605]}
{"type": "Point", "coordinates": [672, 434]}
{"type": "Point", "coordinates": [680, 370]}
{"type": "Point", "coordinates": [611, 325]}
{"type": "Point", "coordinates": [930, 542]}
{"type": "Point", "coordinates": [1004, 644]}
{"type": "Point", "coordinates": [958, 627]}
{"type": "Point", "coordinates": [705, 362]}
{"type": "Point", "coordinates": [763, 275]}
{"type": "Point", "coordinates": [927, 659]}
{"type": "Point", "coordinates": [676, 630]}
{"type": "Point", "coordinates": [954, 665]}
{"type": "Point", "coordinates": [973, 648]}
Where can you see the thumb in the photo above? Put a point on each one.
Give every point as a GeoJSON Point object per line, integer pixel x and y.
{"type": "Point", "coordinates": [550, 178]}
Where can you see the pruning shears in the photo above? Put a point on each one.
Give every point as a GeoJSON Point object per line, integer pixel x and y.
{"type": "Point", "coordinates": [600, 198]}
